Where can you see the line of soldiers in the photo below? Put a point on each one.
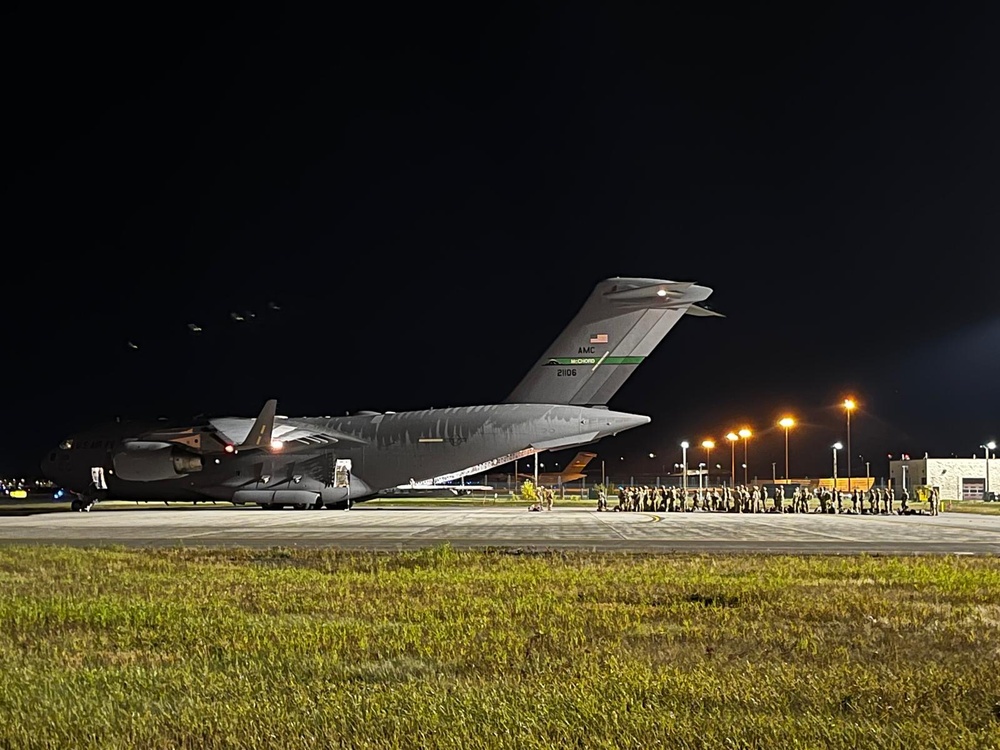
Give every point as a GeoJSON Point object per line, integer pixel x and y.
{"type": "Point", "coordinates": [754, 499]}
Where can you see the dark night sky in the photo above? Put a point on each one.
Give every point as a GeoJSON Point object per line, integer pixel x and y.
{"type": "Point", "coordinates": [431, 195]}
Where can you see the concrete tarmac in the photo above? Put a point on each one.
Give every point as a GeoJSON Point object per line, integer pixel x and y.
{"type": "Point", "coordinates": [399, 528]}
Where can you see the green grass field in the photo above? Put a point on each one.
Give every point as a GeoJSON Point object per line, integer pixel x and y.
{"type": "Point", "coordinates": [117, 648]}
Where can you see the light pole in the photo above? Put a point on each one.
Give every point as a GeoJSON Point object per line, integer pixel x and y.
{"type": "Point", "coordinates": [745, 434]}
{"type": "Point", "coordinates": [849, 406]}
{"type": "Point", "coordinates": [990, 446]}
{"type": "Point", "coordinates": [836, 447]}
{"type": "Point", "coordinates": [787, 423]}
{"type": "Point", "coordinates": [774, 476]}
{"type": "Point", "coordinates": [708, 445]}
{"type": "Point", "coordinates": [684, 468]}
{"type": "Point", "coordinates": [701, 470]}
{"type": "Point", "coordinates": [732, 437]}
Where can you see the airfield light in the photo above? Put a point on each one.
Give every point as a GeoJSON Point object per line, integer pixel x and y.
{"type": "Point", "coordinates": [849, 406]}
{"type": "Point", "coordinates": [684, 468]}
{"type": "Point", "coordinates": [708, 445]}
{"type": "Point", "coordinates": [732, 437]}
{"type": "Point", "coordinates": [989, 447]}
{"type": "Point", "coordinates": [786, 422]}
{"type": "Point", "coordinates": [745, 433]}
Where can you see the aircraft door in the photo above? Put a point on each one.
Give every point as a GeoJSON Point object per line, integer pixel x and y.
{"type": "Point", "coordinates": [342, 473]}
{"type": "Point", "coordinates": [342, 481]}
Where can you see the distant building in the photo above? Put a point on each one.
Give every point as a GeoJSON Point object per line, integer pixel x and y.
{"type": "Point", "coordinates": [845, 484]}
{"type": "Point", "coordinates": [956, 478]}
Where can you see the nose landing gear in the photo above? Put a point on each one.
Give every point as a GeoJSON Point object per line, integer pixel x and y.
{"type": "Point", "coordinates": [87, 499]}
{"type": "Point", "coordinates": [82, 503]}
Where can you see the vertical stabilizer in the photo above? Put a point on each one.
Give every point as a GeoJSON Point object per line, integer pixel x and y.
{"type": "Point", "coordinates": [574, 469]}
{"type": "Point", "coordinates": [615, 330]}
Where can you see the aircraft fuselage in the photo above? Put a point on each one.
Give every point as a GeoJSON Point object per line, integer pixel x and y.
{"type": "Point", "coordinates": [384, 450]}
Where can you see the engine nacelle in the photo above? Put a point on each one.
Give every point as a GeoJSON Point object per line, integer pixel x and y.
{"type": "Point", "coordinates": [151, 461]}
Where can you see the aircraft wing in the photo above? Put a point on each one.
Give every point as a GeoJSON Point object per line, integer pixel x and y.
{"type": "Point", "coordinates": [703, 312]}
{"type": "Point", "coordinates": [285, 430]}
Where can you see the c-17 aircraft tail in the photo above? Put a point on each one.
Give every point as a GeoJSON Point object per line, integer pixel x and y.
{"type": "Point", "coordinates": [618, 326]}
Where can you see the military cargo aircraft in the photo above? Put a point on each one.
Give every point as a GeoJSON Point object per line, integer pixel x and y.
{"type": "Point", "coordinates": [300, 462]}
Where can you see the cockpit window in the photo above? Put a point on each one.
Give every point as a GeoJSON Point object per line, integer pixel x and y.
{"type": "Point", "coordinates": [66, 444]}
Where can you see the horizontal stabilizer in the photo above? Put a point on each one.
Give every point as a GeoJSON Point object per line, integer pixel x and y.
{"type": "Point", "coordinates": [566, 442]}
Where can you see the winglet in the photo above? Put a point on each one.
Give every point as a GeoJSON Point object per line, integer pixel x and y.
{"type": "Point", "coordinates": [260, 434]}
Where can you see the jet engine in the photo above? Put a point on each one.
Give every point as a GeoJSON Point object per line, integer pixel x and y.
{"type": "Point", "coordinates": [151, 461]}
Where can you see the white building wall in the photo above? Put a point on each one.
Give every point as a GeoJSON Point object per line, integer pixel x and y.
{"type": "Point", "coordinates": [910, 473]}
{"type": "Point", "coordinates": [946, 474]}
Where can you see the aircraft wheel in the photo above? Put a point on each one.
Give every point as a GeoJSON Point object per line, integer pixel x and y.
{"type": "Point", "coordinates": [76, 505]}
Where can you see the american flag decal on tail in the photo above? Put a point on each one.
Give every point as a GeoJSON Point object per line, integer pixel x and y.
{"type": "Point", "coordinates": [599, 338]}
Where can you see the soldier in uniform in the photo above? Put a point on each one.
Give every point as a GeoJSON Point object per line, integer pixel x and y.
{"type": "Point", "coordinates": [904, 502]}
